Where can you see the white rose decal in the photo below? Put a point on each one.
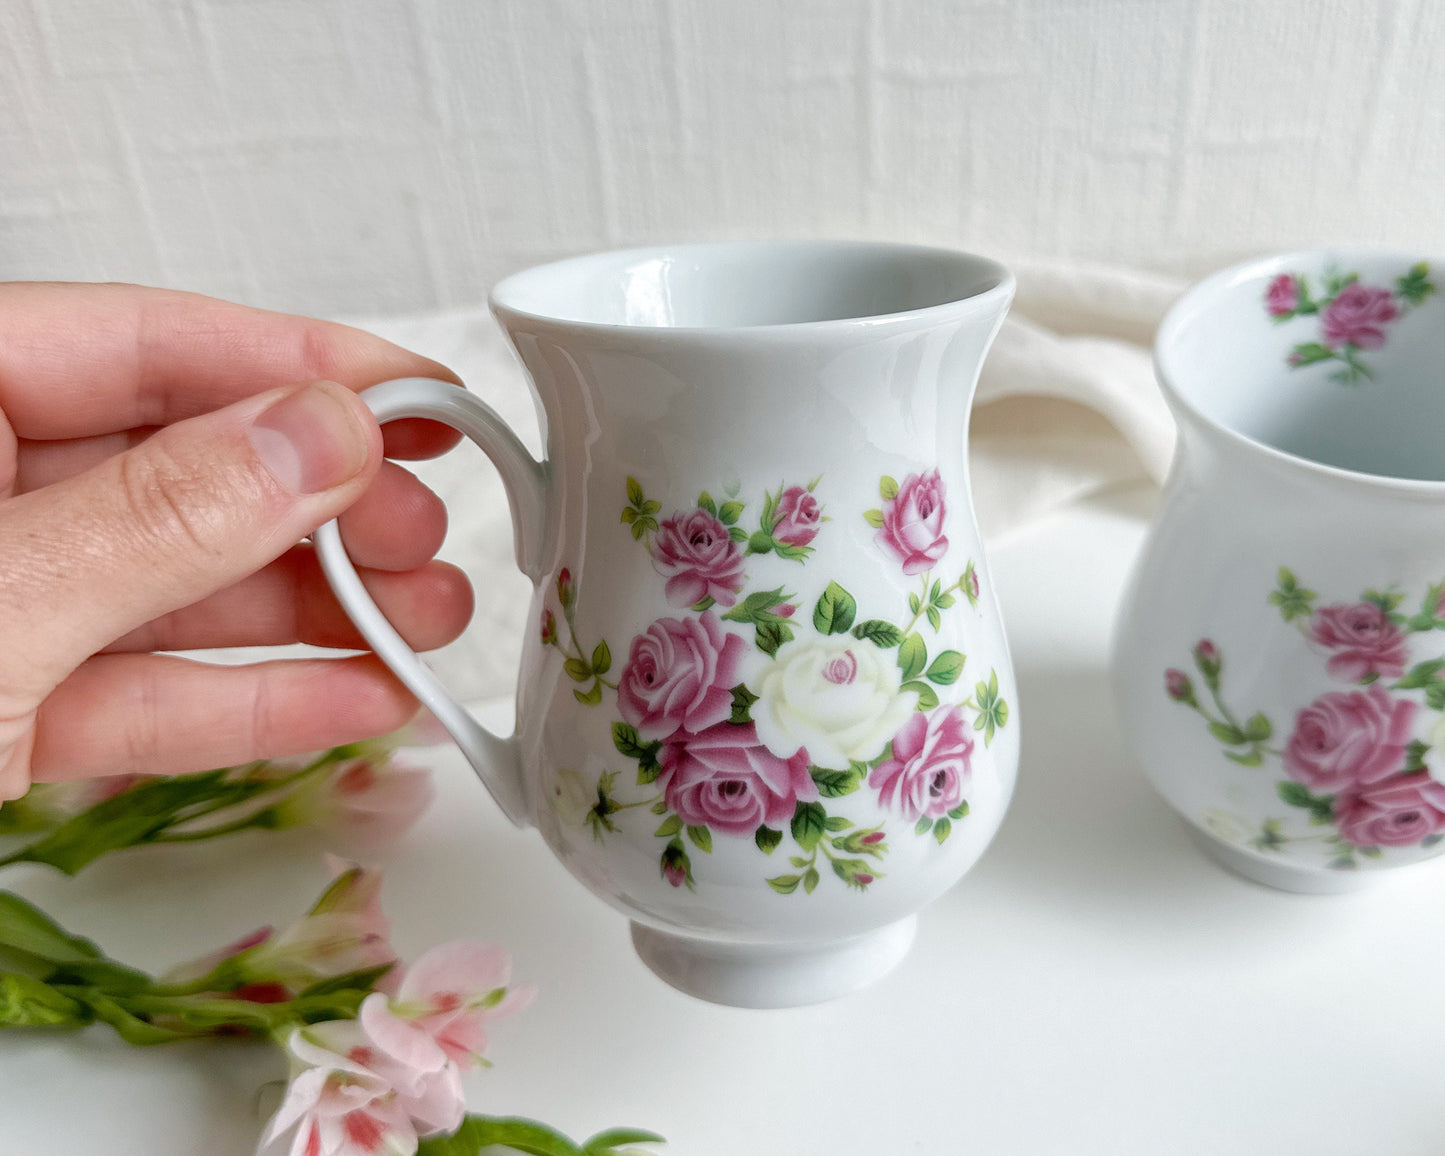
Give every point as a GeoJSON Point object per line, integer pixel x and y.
{"type": "Point", "coordinates": [836, 696]}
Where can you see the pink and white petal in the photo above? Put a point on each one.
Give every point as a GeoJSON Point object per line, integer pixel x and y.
{"type": "Point", "coordinates": [382, 1129]}
{"type": "Point", "coordinates": [302, 1096]}
{"type": "Point", "coordinates": [440, 1104]}
{"type": "Point", "coordinates": [519, 997]}
{"type": "Point", "coordinates": [465, 968]}
{"type": "Point", "coordinates": [404, 1041]}
{"type": "Point", "coordinates": [464, 1038]}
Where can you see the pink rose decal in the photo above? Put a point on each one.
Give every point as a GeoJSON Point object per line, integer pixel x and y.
{"type": "Point", "coordinates": [1346, 739]}
{"type": "Point", "coordinates": [1282, 296]}
{"type": "Point", "coordinates": [799, 515]}
{"type": "Point", "coordinates": [912, 527]}
{"type": "Point", "coordinates": [679, 675]}
{"type": "Point", "coordinates": [1366, 640]}
{"type": "Point", "coordinates": [925, 777]}
{"type": "Point", "coordinates": [1358, 316]}
{"type": "Point", "coordinates": [693, 552]}
{"type": "Point", "coordinates": [725, 779]}
{"type": "Point", "coordinates": [1398, 811]}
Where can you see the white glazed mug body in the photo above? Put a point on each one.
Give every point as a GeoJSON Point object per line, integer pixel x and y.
{"type": "Point", "coordinates": [765, 707]}
{"type": "Point", "coordinates": [1276, 648]}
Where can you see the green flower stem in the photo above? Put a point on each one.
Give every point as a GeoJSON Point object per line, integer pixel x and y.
{"type": "Point", "coordinates": [615, 807]}
{"type": "Point", "coordinates": [256, 819]}
{"type": "Point", "coordinates": [924, 602]}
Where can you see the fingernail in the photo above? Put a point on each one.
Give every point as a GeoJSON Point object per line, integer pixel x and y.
{"type": "Point", "coordinates": [310, 440]}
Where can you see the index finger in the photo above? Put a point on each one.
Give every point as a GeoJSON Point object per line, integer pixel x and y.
{"type": "Point", "coordinates": [77, 360]}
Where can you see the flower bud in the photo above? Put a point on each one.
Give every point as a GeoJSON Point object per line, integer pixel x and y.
{"type": "Point", "coordinates": [1206, 657]}
{"type": "Point", "coordinates": [565, 591]}
{"type": "Point", "coordinates": [549, 628]}
{"type": "Point", "coordinates": [1178, 686]}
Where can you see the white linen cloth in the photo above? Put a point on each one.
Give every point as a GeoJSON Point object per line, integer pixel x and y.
{"type": "Point", "coordinates": [1067, 405]}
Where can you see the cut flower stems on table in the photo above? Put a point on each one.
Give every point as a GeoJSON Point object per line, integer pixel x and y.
{"type": "Point", "coordinates": [375, 1048]}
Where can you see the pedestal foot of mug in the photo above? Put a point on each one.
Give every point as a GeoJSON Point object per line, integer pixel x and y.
{"type": "Point", "coordinates": [761, 975]}
{"type": "Point", "coordinates": [1279, 875]}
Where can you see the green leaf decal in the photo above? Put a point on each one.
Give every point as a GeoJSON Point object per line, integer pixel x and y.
{"type": "Point", "coordinates": [834, 784]}
{"type": "Point", "coordinates": [888, 488]}
{"type": "Point", "coordinates": [701, 838]}
{"type": "Point", "coordinates": [634, 491]}
{"type": "Point", "coordinates": [810, 880]}
{"type": "Point", "coordinates": [882, 634]}
{"type": "Point", "coordinates": [835, 610]}
{"type": "Point", "coordinates": [601, 659]}
{"type": "Point", "coordinates": [912, 657]}
{"type": "Point", "coordinates": [669, 827]}
{"type": "Point", "coordinates": [743, 700]}
{"type": "Point", "coordinates": [785, 884]}
{"type": "Point", "coordinates": [577, 670]}
{"type": "Point", "coordinates": [927, 696]}
{"type": "Point", "coordinates": [809, 823]}
{"type": "Point", "coordinates": [730, 512]}
{"type": "Point", "coordinates": [767, 839]}
{"type": "Point", "coordinates": [874, 518]}
{"type": "Point", "coordinates": [941, 829]}
{"type": "Point", "coordinates": [946, 668]}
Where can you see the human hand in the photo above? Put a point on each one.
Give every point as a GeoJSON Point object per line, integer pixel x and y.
{"type": "Point", "coordinates": [161, 455]}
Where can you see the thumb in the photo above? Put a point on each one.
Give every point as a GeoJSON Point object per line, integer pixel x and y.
{"type": "Point", "coordinates": [194, 508]}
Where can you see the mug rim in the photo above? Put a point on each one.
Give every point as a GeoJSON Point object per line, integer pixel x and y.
{"type": "Point", "coordinates": [1204, 294]}
{"type": "Point", "coordinates": [999, 291]}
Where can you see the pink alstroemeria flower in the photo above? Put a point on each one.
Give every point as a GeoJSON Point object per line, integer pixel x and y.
{"type": "Point", "coordinates": [442, 1005]}
{"type": "Point", "coordinates": [353, 1098]}
{"type": "Point", "coordinates": [345, 931]}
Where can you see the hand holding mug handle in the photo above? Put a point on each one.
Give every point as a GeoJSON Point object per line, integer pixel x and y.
{"type": "Point", "coordinates": [496, 760]}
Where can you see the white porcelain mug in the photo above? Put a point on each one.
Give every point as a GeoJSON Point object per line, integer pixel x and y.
{"type": "Point", "coordinates": [1280, 655]}
{"type": "Point", "coordinates": [765, 707]}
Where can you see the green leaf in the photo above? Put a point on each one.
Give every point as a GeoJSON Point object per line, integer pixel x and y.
{"type": "Point", "coordinates": [874, 518]}
{"type": "Point", "coordinates": [838, 823]}
{"type": "Point", "coordinates": [577, 670]}
{"type": "Point", "coordinates": [669, 827]}
{"type": "Point", "coordinates": [941, 829]}
{"type": "Point", "coordinates": [1295, 794]}
{"type": "Point", "coordinates": [923, 825]}
{"type": "Point", "coordinates": [26, 1002]}
{"type": "Point", "coordinates": [1246, 758]}
{"type": "Point", "coordinates": [1421, 674]}
{"type": "Point", "coordinates": [743, 700]}
{"type": "Point", "coordinates": [1226, 733]}
{"type": "Point", "coordinates": [809, 823]}
{"type": "Point", "coordinates": [730, 512]}
{"type": "Point", "coordinates": [363, 980]}
{"type": "Point", "coordinates": [834, 784]}
{"type": "Point", "coordinates": [946, 668]}
{"type": "Point", "coordinates": [913, 604]}
{"type": "Point", "coordinates": [627, 741]}
{"type": "Point", "coordinates": [705, 502]}
{"type": "Point", "coordinates": [767, 839]}
{"type": "Point", "coordinates": [1415, 755]}
{"type": "Point", "coordinates": [643, 526]}
{"type": "Point", "coordinates": [935, 619]}
{"type": "Point", "coordinates": [771, 635]}
{"type": "Point", "coordinates": [1257, 728]}
{"type": "Point", "coordinates": [589, 697]}
{"type": "Point", "coordinates": [810, 880]}
{"type": "Point", "coordinates": [835, 610]}
{"type": "Point", "coordinates": [785, 884]}
{"type": "Point", "coordinates": [659, 807]}
{"type": "Point", "coordinates": [888, 488]}
{"type": "Point", "coordinates": [1310, 352]}
{"type": "Point", "coordinates": [912, 657]}
{"type": "Point", "coordinates": [959, 812]}
{"type": "Point", "coordinates": [737, 534]}
{"type": "Point", "coordinates": [757, 607]}
{"type": "Point", "coordinates": [601, 659]}
{"type": "Point", "coordinates": [701, 838]}
{"type": "Point", "coordinates": [1286, 579]}
{"type": "Point", "coordinates": [634, 491]}
{"type": "Point", "coordinates": [927, 696]}
{"type": "Point", "coordinates": [516, 1134]}
{"type": "Point", "coordinates": [882, 634]}
{"type": "Point", "coordinates": [1415, 285]}
{"type": "Point", "coordinates": [629, 515]}
{"type": "Point", "coordinates": [24, 927]}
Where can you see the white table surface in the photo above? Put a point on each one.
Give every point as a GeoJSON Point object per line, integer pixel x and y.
{"type": "Point", "coordinates": [1094, 986]}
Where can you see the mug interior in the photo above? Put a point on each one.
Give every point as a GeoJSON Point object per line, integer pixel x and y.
{"type": "Point", "coordinates": [1334, 356]}
{"type": "Point", "coordinates": [747, 284]}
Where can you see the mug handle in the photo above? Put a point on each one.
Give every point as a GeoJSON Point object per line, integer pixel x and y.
{"type": "Point", "coordinates": [497, 761]}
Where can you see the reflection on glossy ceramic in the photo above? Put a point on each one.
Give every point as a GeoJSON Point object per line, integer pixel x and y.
{"type": "Point", "coordinates": [1278, 660]}
{"type": "Point", "coordinates": [766, 707]}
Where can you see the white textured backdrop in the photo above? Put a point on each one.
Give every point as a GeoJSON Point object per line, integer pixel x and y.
{"type": "Point", "coordinates": [379, 156]}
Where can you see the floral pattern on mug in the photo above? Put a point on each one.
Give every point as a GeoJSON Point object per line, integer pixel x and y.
{"type": "Point", "coordinates": [1354, 761]}
{"type": "Point", "coordinates": [842, 705]}
{"type": "Point", "coordinates": [1354, 317]}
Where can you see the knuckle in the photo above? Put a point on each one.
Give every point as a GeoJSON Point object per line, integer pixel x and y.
{"type": "Point", "coordinates": [169, 505]}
